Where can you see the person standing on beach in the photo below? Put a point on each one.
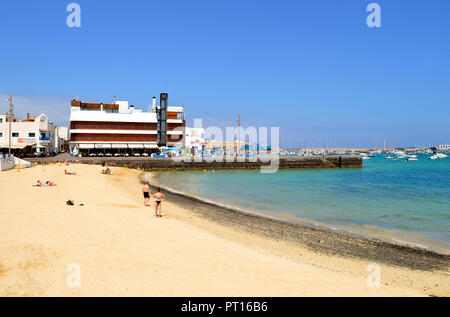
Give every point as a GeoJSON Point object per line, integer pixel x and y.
{"type": "Point", "coordinates": [158, 198]}
{"type": "Point", "coordinates": [146, 192]}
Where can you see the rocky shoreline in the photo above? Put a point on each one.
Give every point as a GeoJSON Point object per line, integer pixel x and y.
{"type": "Point", "coordinates": [320, 240]}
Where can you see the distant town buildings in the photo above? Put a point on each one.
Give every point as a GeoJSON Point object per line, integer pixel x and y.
{"type": "Point", "coordinates": [33, 135]}
{"type": "Point", "coordinates": [229, 147]}
{"type": "Point", "coordinates": [443, 147]}
{"type": "Point", "coordinates": [99, 127]}
{"type": "Point", "coordinates": [194, 139]}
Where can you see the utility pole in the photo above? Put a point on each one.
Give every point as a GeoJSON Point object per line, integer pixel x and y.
{"type": "Point", "coordinates": [10, 120]}
{"type": "Point", "coordinates": [239, 134]}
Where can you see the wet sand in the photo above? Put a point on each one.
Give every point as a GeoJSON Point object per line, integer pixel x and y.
{"type": "Point", "coordinates": [193, 250]}
{"type": "Point", "coordinates": [313, 236]}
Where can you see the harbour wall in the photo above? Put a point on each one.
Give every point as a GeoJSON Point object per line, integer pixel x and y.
{"type": "Point", "coordinates": [146, 163]}
{"type": "Point", "coordinates": [4, 165]}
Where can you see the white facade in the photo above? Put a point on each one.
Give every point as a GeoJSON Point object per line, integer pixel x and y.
{"type": "Point", "coordinates": [63, 133]}
{"type": "Point", "coordinates": [38, 133]}
{"type": "Point", "coordinates": [61, 137]}
{"type": "Point", "coordinates": [443, 147]}
{"type": "Point", "coordinates": [124, 114]}
{"type": "Point", "coordinates": [193, 138]}
{"type": "Point", "coordinates": [120, 127]}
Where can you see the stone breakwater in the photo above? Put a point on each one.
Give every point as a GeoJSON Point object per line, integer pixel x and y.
{"type": "Point", "coordinates": [146, 163]}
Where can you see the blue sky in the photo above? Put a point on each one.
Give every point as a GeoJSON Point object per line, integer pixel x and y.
{"type": "Point", "coordinates": [312, 68]}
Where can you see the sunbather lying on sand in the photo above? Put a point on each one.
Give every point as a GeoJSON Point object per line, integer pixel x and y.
{"type": "Point", "coordinates": [107, 171]}
{"type": "Point", "coordinates": [69, 173]}
{"type": "Point", "coordinates": [46, 184]}
{"type": "Point", "coordinates": [71, 202]}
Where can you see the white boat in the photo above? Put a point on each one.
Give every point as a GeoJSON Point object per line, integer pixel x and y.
{"type": "Point", "coordinates": [412, 159]}
{"type": "Point", "coordinates": [389, 157]}
{"type": "Point", "coordinates": [366, 158]}
{"type": "Point", "coordinates": [438, 156]}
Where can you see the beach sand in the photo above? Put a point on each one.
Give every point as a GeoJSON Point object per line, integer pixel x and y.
{"type": "Point", "coordinates": [122, 249]}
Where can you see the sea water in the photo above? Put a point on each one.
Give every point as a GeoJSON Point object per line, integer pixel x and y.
{"type": "Point", "coordinates": [404, 201]}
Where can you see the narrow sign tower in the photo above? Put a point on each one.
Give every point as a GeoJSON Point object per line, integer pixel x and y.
{"type": "Point", "coordinates": [162, 121]}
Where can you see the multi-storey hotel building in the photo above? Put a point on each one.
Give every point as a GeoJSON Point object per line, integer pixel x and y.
{"type": "Point", "coordinates": [118, 126]}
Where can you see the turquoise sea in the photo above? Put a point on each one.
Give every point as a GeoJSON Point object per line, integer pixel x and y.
{"type": "Point", "coordinates": [397, 200]}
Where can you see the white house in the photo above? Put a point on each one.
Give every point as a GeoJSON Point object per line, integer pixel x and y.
{"type": "Point", "coordinates": [30, 135]}
{"type": "Point", "coordinates": [193, 138]}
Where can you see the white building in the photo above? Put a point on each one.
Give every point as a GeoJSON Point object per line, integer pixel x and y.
{"type": "Point", "coordinates": [31, 135]}
{"type": "Point", "coordinates": [193, 138]}
{"type": "Point", "coordinates": [61, 137]}
{"type": "Point", "coordinates": [443, 147]}
{"type": "Point", "coordinates": [116, 126]}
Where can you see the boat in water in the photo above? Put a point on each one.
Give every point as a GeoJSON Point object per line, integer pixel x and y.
{"type": "Point", "coordinates": [438, 156]}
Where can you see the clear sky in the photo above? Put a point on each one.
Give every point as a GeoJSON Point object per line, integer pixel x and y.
{"type": "Point", "coordinates": [312, 68]}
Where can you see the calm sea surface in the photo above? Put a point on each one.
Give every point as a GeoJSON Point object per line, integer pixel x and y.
{"type": "Point", "coordinates": [405, 201]}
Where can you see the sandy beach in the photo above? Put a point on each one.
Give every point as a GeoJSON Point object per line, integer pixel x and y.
{"type": "Point", "coordinates": [122, 249]}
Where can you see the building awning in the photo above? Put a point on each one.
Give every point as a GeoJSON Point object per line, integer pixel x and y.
{"type": "Point", "coordinates": [119, 145]}
{"type": "Point", "coordinates": [136, 145]}
{"type": "Point", "coordinates": [103, 146]}
{"type": "Point", "coordinates": [116, 145]}
{"type": "Point", "coordinates": [17, 146]}
{"type": "Point", "coordinates": [86, 146]}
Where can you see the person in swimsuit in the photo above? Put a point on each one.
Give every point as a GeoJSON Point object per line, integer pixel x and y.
{"type": "Point", "coordinates": [158, 198]}
{"type": "Point", "coordinates": [46, 184]}
{"type": "Point", "coordinates": [146, 192]}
